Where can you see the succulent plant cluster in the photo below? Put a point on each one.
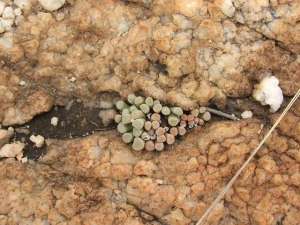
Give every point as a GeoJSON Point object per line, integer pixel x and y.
{"type": "Point", "coordinates": [148, 124]}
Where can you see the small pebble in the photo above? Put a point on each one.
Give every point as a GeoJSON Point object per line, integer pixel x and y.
{"type": "Point", "coordinates": [145, 136]}
{"type": "Point", "coordinates": [247, 114]}
{"type": "Point", "coordinates": [145, 108]}
{"type": "Point", "coordinates": [22, 83]}
{"type": "Point", "coordinates": [8, 13]}
{"type": "Point", "coordinates": [173, 120]}
{"type": "Point", "coordinates": [54, 121]}
{"type": "Point", "coordinates": [118, 118]}
{"type": "Point", "coordinates": [139, 100]}
{"type": "Point", "coordinates": [18, 12]}
{"type": "Point", "coordinates": [165, 111]}
{"type": "Point", "coordinates": [155, 124]}
{"type": "Point", "coordinates": [130, 98]}
{"type": "Point", "coordinates": [149, 146]}
{"type": "Point", "coordinates": [73, 79]}
{"type": "Point", "coordinates": [52, 5]}
{"type": "Point", "coordinates": [127, 138]}
{"type": "Point", "coordinates": [202, 109]}
{"type": "Point", "coordinates": [149, 101]}
{"type": "Point", "coordinates": [38, 140]}
{"type": "Point", "coordinates": [159, 146]}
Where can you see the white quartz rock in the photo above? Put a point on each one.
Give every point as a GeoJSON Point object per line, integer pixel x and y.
{"type": "Point", "coordinates": [52, 5]}
{"type": "Point", "coordinates": [2, 7]}
{"type": "Point", "coordinates": [8, 13]}
{"type": "Point", "coordinates": [38, 140]}
{"type": "Point", "coordinates": [268, 92]}
{"type": "Point", "coordinates": [228, 8]}
{"type": "Point", "coordinates": [11, 150]}
{"type": "Point", "coordinates": [22, 4]}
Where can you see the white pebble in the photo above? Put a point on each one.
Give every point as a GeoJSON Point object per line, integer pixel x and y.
{"type": "Point", "coordinates": [8, 13]}
{"type": "Point", "coordinates": [54, 121]}
{"type": "Point", "coordinates": [52, 5]}
{"type": "Point", "coordinates": [247, 114]}
{"type": "Point", "coordinates": [73, 79]}
{"type": "Point", "coordinates": [38, 140]}
{"type": "Point", "coordinates": [22, 3]}
{"type": "Point", "coordinates": [7, 24]}
{"type": "Point", "coordinates": [268, 92]}
{"type": "Point", "coordinates": [2, 6]}
{"type": "Point", "coordinates": [22, 83]}
{"type": "Point", "coordinates": [18, 12]}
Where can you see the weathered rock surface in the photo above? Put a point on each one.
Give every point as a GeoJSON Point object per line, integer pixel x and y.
{"type": "Point", "coordinates": [98, 179]}
{"type": "Point", "coordinates": [183, 52]}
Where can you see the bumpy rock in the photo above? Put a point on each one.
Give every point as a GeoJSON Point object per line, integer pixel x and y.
{"type": "Point", "coordinates": [52, 5]}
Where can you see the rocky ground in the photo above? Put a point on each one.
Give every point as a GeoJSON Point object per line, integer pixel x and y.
{"type": "Point", "coordinates": [182, 52]}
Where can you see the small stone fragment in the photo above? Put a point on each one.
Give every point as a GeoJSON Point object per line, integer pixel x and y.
{"type": "Point", "coordinates": [138, 144]}
{"type": "Point", "coordinates": [11, 150]}
{"type": "Point", "coordinates": [132, 108]}
{"type": "Point", "coordinates": [54, 121]}
{"type": "Point", "coordinates": [5, 135]}
{"type": "Point", "coordinates": [170, 139]}
{"type": "Point", "coordinates": [2, 7]}
{"type": "Point", "coordinates": [52, 5]}
{"type": "Point", "coordinates": [206, 116]}
{"type": "Point", "coordinates": [8, 13]}
{"type": "Point", "coordinates": [159, 146]}
{"type": "Point", "coordinates": [127, 138]}
{"type": "Point", "coordinates": [247, 114]}
{"type": "Point", "coordinates": [149, 146]}
{"type": "Point", "coordinates": [22, 83]}
{"type": "Point", "coordinates": [147, 125]}
{"type": "Point", "coordinates": [173, 120]}
{"type": "Point", "coordinates": [190, 117]}
{"type": "Point", "coordinates": [38, 140]}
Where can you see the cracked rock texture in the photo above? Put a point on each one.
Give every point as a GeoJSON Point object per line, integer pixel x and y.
{"type": "Point", "coordinates": [184, 52]}
{"type": "Point", "coordinates": [99, 180]}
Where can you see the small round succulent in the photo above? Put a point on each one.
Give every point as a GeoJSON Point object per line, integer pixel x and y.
{"type": "Point", "coordinates": [147, 123]}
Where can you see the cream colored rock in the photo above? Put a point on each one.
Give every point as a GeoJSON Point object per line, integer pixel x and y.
{"type": "Point", "coordinates": [8, 13]}
{"type": "Point", "coordinates": [52, 5]}
{"type": "Point", "coordinates": [2, 6]}
{"type": "Point", "coordinates": [38, 140]}
{"type": "Point", "coordinates": [5, 135]}
{"type": "Point", "coordinates": [247, 114]}
{"type": "Point", "coordinates": [268, 92]}
{"type": "Point", "coordinates": [22, 4]}
{"type": "Point", "coordinates": [7, 23]}
{"type": "Point", "coordinates": [227, 8]}
{"type": "Point", "coordinates": [11, 150]}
